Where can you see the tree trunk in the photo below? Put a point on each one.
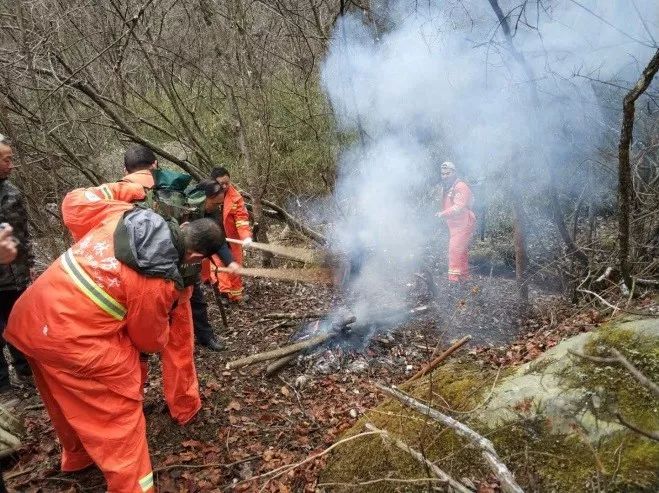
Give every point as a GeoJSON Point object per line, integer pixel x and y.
{"type": "Point", "coordinates": [521, 256]}
{"type": "Point", "coordinates": [557, 213]}
{"type": "Point", "coordinates": [625, 185]}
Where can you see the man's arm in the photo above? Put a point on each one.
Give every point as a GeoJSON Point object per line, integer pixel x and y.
{"type": "Point", "coordinates": [225, 254]}
{"type": "Point", "coordinates": [149, 303]}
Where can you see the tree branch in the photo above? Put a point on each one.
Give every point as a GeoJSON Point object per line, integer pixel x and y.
{"type": "Point", "coordinates": [501, 471]}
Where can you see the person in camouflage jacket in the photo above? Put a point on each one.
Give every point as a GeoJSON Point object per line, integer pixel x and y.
{"type": "Point", "coordinates": [15, 276]}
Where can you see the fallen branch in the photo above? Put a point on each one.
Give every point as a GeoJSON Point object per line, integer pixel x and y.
{"type": "Point", "coordinates": [16, 474]}
{"type": "Point", "coordinates": [605, 275]}
{"type": "Point", "coordinates": [34, 407]}
{"type": "Point", "coordinates": [280, 364]}
{"type": "Point", "coordinates": [617, 308]}
{"type": "Point", "coordinates": [618, 358]}
{"type": "Point", "coordinates": [280, 471]}
{"type": "Point", "coordinates": [293, 348]}
{"type": "Point", "coordinates": [646, 282]}
{"type": "Point", "coordinates": [455, 485]}
{"type": "Point", "coordinates": [653, 435]}
{"type": "Point", "coordinates": [361, 484]}
{"type": "Point", "coordinates": [434, 363]}
{"type": "Point", "coordinates": [203, 466]}
{"type": "Point", "coordinates": [501, 471]}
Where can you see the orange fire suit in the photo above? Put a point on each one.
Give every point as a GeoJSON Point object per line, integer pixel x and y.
{"type": "Point", "coordinates": [235, 222]}
{"type": "Point", "coordinates": [461, 221]}
{"type": "Point", "coordinates": [82, 325]}
{"type": "Point", "coordinates": [81, 212]}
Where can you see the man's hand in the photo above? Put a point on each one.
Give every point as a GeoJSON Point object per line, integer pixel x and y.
{"type": "Point", "coordinates": [8, 250]}
{"type": "Point", "coordinates": [234, 266]}
{"type": "Point", "coordinates": [247, 242]}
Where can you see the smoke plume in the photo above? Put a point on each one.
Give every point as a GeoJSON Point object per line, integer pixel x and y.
{"type": "Point", "coordinates": [413, 84]}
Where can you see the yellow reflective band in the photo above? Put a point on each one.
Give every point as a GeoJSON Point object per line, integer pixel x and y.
{"type": "Point", "coordinates": [92, 290]}
{"type": "Point", "coordinates": [107, 193]}
{"type": "Point", "coordinates": [242, 223]}
{"type": "Point", "coordinates": [146, 483]}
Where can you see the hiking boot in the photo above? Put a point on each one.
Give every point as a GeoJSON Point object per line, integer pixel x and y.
{"type": "Point", "coordinates": [213, 344]}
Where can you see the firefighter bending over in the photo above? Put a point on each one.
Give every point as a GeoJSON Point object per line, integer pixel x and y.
{"type": "Point", "coordinates": [83, 324]}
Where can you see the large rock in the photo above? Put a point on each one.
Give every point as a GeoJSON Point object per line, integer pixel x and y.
{"type": "Point", "coordinates": [552, 420]}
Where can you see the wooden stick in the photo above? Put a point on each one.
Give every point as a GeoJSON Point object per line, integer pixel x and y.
{"type": "Point", "coordinates": [317, 275]}
{"type": "Point", "coordinates": [500, 470]}
{"type": "Point", "coordinates": [294, 315]}
{"type": "Point", "coordinates": [218, 301]}
{"type": "Point", "coordinates": [455, 485]}
{"type": "Point", "coordinates": [291, 349]}
{"type": "Point", "coordinates": [434, 363]}
{"type": "Point", "coordinates": [280, 364]}
{"type": "Point", "coordinates": [301, 254]}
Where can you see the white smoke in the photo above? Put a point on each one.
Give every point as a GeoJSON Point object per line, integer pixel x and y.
{"type": "Point", "coordinates": [438, 82]}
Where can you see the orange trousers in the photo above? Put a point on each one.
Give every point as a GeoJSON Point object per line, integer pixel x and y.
{"type": "Point", "coordinates": [229, 284]}
{"type": "Point", "coordinates": [460, 234]}
{"type": "Point", "coordinates": [96, 425]}
{"type": "Point", "coordinates": [179, 374]}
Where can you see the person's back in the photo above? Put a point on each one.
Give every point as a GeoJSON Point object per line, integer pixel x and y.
{"type": "Point", "coordinates": [83, 323]}
{"type": "Point", "coordinates": [79, 314]}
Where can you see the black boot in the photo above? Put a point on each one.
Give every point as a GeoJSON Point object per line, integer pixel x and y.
{"type": "Point", "coordinates": [213, 343]}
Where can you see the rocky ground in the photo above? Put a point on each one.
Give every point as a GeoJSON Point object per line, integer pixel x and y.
{"type": "Point", "coordinates": [251, 427]}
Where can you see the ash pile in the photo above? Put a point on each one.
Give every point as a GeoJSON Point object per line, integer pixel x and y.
{"type": "Point", "coordinates": [341, 341]}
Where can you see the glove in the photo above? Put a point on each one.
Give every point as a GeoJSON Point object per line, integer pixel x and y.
{"type": "Point", "coordinates": [247, 242]}
{"type": "Point", "coordinates": [234, 266]}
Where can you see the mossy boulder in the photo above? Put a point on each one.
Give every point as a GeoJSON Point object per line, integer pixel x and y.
{"type": "Point", "coordinates": [553, 421]}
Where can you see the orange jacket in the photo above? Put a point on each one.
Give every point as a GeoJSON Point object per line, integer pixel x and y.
{"type": "Point", "coordinates": [456, 205]}
{"type": "Point", "coordinates": [58, 323]}
{"type": "Point", "coordinates": [235, 217]}
{"type": "Point", "coordinates": [143, 177]}
{"type": "Point", "coordinates": [84, 208]}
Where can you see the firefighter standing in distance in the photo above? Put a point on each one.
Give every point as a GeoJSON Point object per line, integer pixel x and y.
{"type": "Point", "coordinates": [457, 211]}
{"type": "Point", "coordinates": [234, 219]}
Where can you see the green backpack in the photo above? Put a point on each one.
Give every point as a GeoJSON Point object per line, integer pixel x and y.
{"type": "Point", "coordinates": [172, 197]}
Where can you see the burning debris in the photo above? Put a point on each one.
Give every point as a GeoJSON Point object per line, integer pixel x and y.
{"type": "Point", "coordinates": [340, 331]}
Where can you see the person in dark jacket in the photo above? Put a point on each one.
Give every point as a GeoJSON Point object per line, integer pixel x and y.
{"type": "Point", "coordinates": [16, 275]}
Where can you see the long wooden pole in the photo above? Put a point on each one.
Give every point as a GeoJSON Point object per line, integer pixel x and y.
{"type": "Point", "coordinates": [316, 275]}
{"type": "Point", "coordinates": [306, 255]}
